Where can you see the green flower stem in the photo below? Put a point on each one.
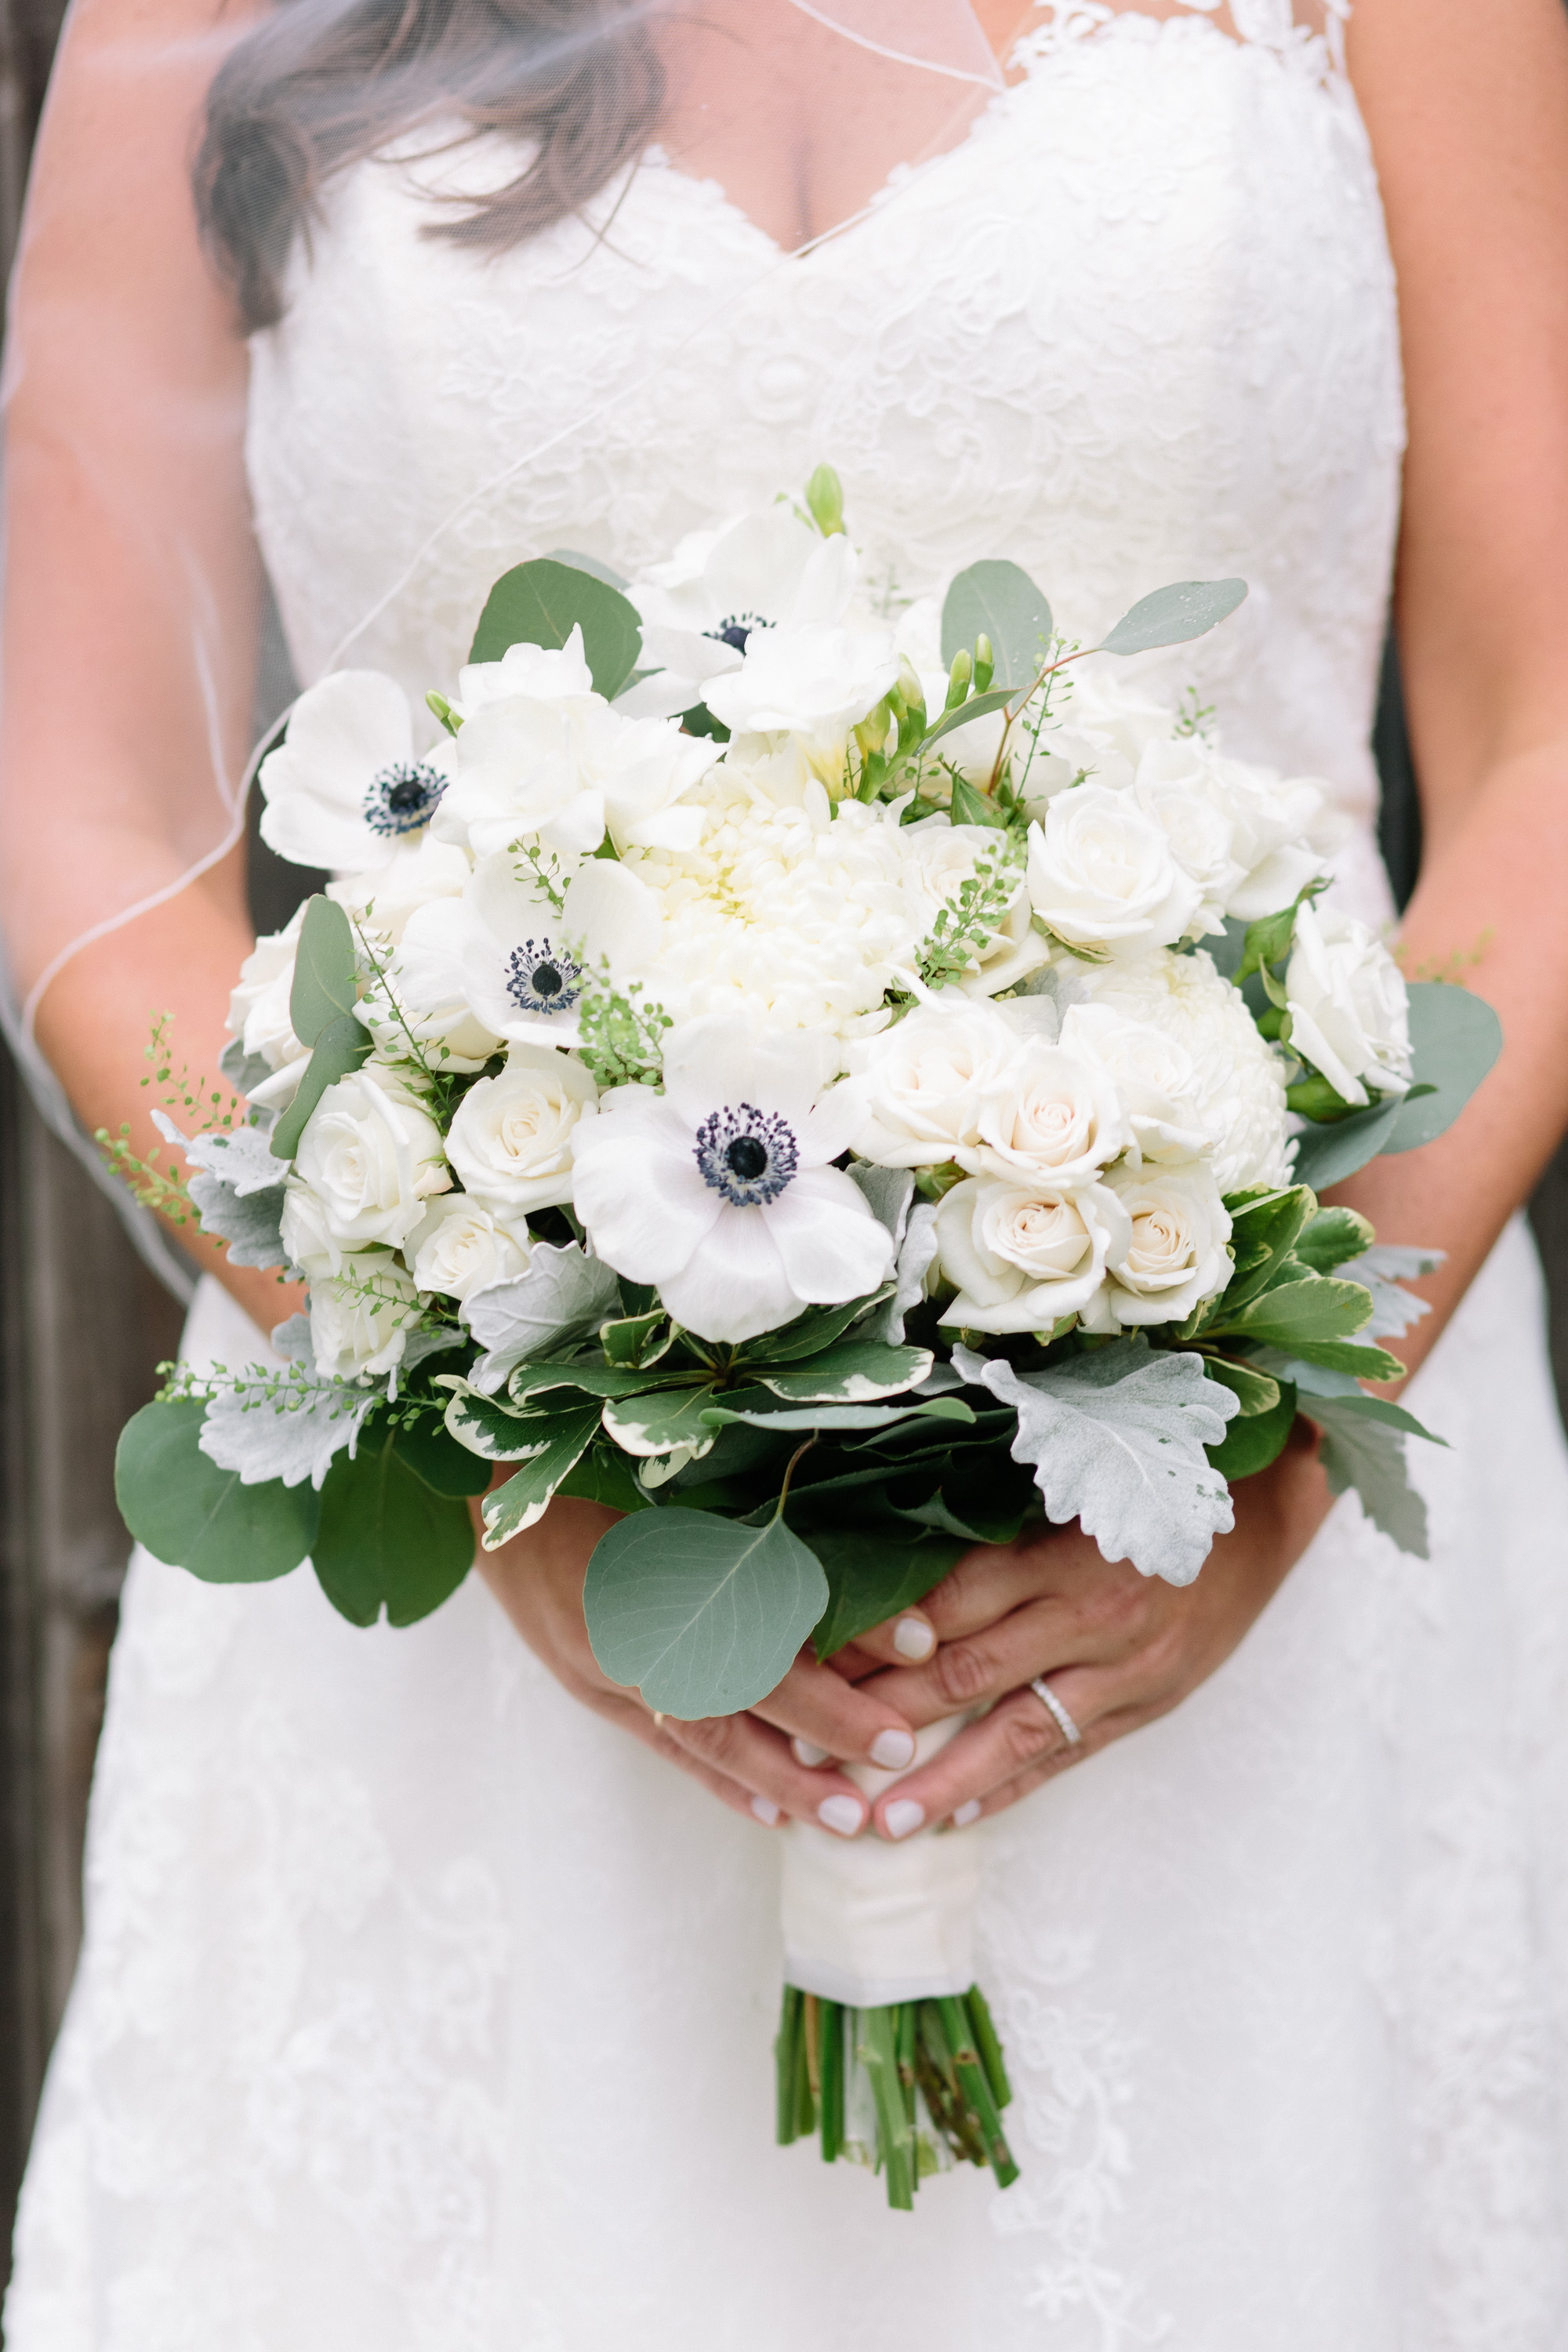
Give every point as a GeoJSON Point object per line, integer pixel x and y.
{"type": "Point", "coordinates": [988, 2043]}
{"type": "Point", "coordinates": [976, 2090]}
{"type": "Point", "coordinates": [878, 2052]}
{"type": "Point", "coordinates": [786, 2054]}
{"type": "Point", "coordinates": [830, 2064]}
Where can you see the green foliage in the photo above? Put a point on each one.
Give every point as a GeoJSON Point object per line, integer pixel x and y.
{"type": "Point", "coordinates": [194, 1515]}
{"type": "Point", "coordinates": [1455, 1039]}
{"type": "Point", "coordinates": [386, 1541]}
{"type": "Point", "coordinates": [979, 706]}
{"type": "Point", "coordinates": [425, 1447]}
{"type": "Point", "coordinates": [1175, 615]}
{"type": "Point", "coordinates": [343, 1047]}
{"type": "Point", "coordinates": [873, 1572]}
{"type": "Point", "coordinates": [967, 924]}
{"type": "Point", "coordinates": [325, 971]}
{"type": "Point", "coordinates": [621, 1038]}
{"type": "Point", "coordinates": [1253, 1440]}
{"type": "Point", "coordinates": [702, 1615]}
{"type": "Point", "coordinates": [969, 806]}
{"type": "Point", "coordinates": [1331, 1238]}
{"type": "Point", "coordinates": [540, 603]}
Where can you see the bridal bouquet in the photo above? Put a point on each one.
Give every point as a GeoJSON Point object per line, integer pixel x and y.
{"type": "Point", "coordinates": [837, 1086]}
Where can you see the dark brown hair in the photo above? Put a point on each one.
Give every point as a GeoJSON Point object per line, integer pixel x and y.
{"type": "Point", "coordinates": [323, 83]}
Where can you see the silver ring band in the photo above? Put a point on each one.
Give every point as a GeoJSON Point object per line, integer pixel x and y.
{"type": "Point", "coordinates": [1056, 1711]}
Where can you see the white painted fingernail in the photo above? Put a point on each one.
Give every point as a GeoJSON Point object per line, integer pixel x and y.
{"type": "Point", "coordinates": [912, 1638]}
{"type": "Point", "coordinates": [903, 1817]}
{"type": "Point", "coordinates": [766, 1811]}
{"type": "Point", "coordinates": [966, 1813]}
{"type": "Point", "coordinates": [840, 1814]}
{"type": "Point", "coordinates": [893, 1750]}
{"type": "Point", "coordinates": [805, 1753]}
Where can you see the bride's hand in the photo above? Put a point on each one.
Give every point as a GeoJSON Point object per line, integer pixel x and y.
{"type": "Point", "coordinates": [747, 1760]}
{"type": "Point", "coordinates": [1119, 1649]}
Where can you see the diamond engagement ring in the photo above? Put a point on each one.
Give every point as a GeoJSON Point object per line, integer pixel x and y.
{"type": "Point", "coordinates": [1054, 1707]}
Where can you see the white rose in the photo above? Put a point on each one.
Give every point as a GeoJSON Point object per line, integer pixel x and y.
{"type": "Point", "coordinates": [1153, 1074]}
{"type": "Point", "coordinates": [373, 1158]}
{"type": "Point", "coordinates": [1175, 1256]}
{"type": "Point", "coordinates": [258, 1011]}
{"type": "Point", "coordinates": [815, 682]}
{"type": "Point", "coordinates": [1100, 732]}
{"type": "Point", "coordinates": [511, 1142]}
{"type": "Point", "coordinates": [924, 1081]}
{"type": "Point", "coordinates": [1103, 874]}
{"type": "Point", "coordinates": [1350, 1010]}
{"type": "Point", "coordinates": [1047, 1116]}
{"type": "Point", "coordinates": [460, 1246]}
{"type": "Point", "coordinates": [1024, 1255]}
{"type": "Point", "coordinates": [361, 1316]}
{"type": "Point", "coordinates": [938, 859]}
{"type": "Point", "coordinates": [309, 1241]}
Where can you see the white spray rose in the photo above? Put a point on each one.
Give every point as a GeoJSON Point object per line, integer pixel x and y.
{"type": "Point", "coordinates": [1023, 1256]}
{"type": "Point", "coordinates": [511, 1142]}
{"type": "Point", "coordinates": [460, 1246]}
{"type": "Point", "coordinates": [362, 1314]}
{"type": "Point", "coordinates": [373, 1158]}
{"type": "Point", "coordinates": [1048, 1117]}
{"type": "Point", "coordinates": [1174, 1256]}
{"type": "Point", "coordinates": [1103, 874]}
{"type": "Point", "coordinates": [925, 1080]}
{"type": "Point", "coordinates": [1350, 1010]}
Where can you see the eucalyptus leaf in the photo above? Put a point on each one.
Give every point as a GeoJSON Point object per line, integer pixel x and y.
{"type": "Point", "coordinates": [575, 561]}
{"type": "Point", "coordinates": [1455, 1038]}
{"type": "Point", "coordinates": [194, 1515]}
{"type": "Point", "coordinates": [557, 1442]}
{"type": "Point", "coordinates": [1325, 1156]}
{"type": "Point", "coordinates": [998, 600]}
{"type": "Point", "coordinates": [872, 1575]}
{"type": "Point", "coordinates": [340, 1050]}
{"type": "Point", "coordinates": [540, 603]}
{"type": "Point", "coordinates": [1175, 615]}
{"type": "Point", "coordinates": [1117, 1438]}
{"type": "Point", "coordinates": [701, 1615]}
{"type": "Point", "coordinates": [385, 1541]}
{"type": "Point", "coordinates": [425, 1448]}
{"type": "Point", "coordinates": [324, 969]}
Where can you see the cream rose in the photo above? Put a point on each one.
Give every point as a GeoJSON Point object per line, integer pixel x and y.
{"type": "Point", "coordinates": [1024, 1255]}
{"type": "Point", "coordinates": [1172, 1255]}
{"type": "Point", "coordinates": [1154, 1076]}
{"type": "Point", "coordinates": [373, 1158]}
{"type": "Point", "coordinates": [924, 1083]}
{"type": "Point", "coordinates": [1048, 1116]}
{"type": "Point", "coordinates": [511, 1142]}
{"type": "Point", "coordinates": [362, 1314]}
{"type": "Point", "coordinates": [1103, 874]}
{"type": "Point", "coordinates": [458, 1246]}
{"type": "Point", "coordinates": [1350, 1010]}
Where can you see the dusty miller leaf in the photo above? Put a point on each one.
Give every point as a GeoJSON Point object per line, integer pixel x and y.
{"type": "Point", "coordinates": [292, 1435]}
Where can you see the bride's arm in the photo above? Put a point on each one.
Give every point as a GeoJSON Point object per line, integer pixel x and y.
{"type": "Point", "coordinates": [132, 581]}
{"type": "Point", "coordinates": [1467, 108]}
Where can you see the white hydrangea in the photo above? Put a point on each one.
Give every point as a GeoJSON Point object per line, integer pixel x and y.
{"type": "Point", "coordinates": [1236, 1089]}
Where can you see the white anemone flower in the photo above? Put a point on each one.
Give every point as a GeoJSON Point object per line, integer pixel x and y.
{"type": "Point", "coordinates": [700, 610]}
{"type": "Point", "coordinates": [520, 961]}
{"type": "Point", "coordinates": [542, 756]}
{"type": "Point", "coordinates": [720, 1192]}
{"type": "Point", "coordinates": [814, 683]}
{"type": "Point", "coordinates": [347, 785]}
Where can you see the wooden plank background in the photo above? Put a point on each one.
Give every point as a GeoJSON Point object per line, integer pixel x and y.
{"type": "Point", "coordinates": [83, 1325]}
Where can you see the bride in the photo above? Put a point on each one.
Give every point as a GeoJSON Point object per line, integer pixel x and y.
{"type": "Point", "coordinates": [429, 1979]}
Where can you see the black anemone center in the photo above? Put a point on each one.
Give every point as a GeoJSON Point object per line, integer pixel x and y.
{"type": "Point", "coordinates": [737, 628]}
{"type": "Point", "coordinates": [402, 798]}
{"type": "Point", "coordinates": [748, 1155]}
{"type": "Point", "coordinates": [541, 978]}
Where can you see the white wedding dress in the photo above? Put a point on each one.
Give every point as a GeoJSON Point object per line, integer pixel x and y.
{"type": "Point", "coordinates": [421, 2011]}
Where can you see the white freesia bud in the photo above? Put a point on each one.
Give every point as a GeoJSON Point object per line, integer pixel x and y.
{"type": "Point", "coordinates": [925, 1081]}
{"type": "Point", "coordinates": [511, 1142]}
{"type": "Point", "coordinates": [460, 1246]}
{"type": "Point", "coordinates": [1350, 1010]}
{"type": "Point", "coordinates": [1047, 1116]}
{"type": "Point", "coordinates": [1103, 874]}
{"type": "Point", "coordinates": [361, 1316]}
{"type": "Point", "coordinates": [373, 1158]}
{"type": "Point", "coordinates": [1023, 1256]}
{"type": "Point", "coordinates": [1174, 1255]}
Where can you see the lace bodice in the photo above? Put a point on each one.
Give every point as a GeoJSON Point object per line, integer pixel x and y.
{"type": "Point", "coordinates": [1138, 326]}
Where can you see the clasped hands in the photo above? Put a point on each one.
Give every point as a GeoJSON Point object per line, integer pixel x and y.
{"type": "Point", "coordinates": [1119, 1650]}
